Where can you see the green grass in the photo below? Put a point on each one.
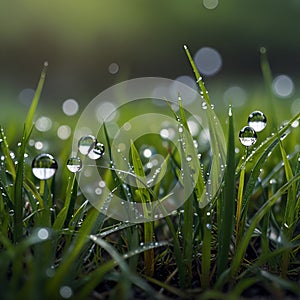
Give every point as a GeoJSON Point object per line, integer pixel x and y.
{"type": "Point", "coordinates": [244, 242]}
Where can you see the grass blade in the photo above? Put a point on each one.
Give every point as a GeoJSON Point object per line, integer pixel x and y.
{"type": "Point", "coordinates": [228, 203]}
{"type": "Point", "coordinates": [145, 199]}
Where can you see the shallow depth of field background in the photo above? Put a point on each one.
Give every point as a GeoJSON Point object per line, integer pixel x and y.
{"type": "Point", "coordinates": [91, 45]}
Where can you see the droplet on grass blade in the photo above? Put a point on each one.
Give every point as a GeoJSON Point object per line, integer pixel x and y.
{"type": "Point", "coordinates": [74, 164]}
{"type": "Point", "coordinates": [257, 120]}
{"type": "Point", "coordinates": [248, 136]}
{"type": "Point", "coordinates": [97, 151]}
{"type": "Point", "coordinates": [44, 166]}
{"type": "Point", "coordinates": [86, 144]}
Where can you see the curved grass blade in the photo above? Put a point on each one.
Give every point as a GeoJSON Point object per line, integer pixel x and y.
{"type": "Point", "coordinates": [251, 159]}
{"type": "Point", "coordinates": [96, 277]}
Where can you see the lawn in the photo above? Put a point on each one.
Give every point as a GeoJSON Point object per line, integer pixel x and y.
{"type": "Point", "coordinates": [163, 200]}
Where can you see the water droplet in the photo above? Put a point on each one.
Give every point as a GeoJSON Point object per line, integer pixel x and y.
{"type": "Point", "coordinates": [74, 164]}
{"type": "Point", "coordinates": [97, 151]}
{"type": "Point", "coordinates": [208, 226]}
{"type": "Point", "coordinates": [247, 136]}
{"type": "Point", "coordinates": [189, 158]}
{"type": "Point", "coordinates": [44, 166]}
{"type": "Point", "coordinates": [204, 105]}
{"type": "Point", "coordinates": [257, 120]}
{"type": "Point", "coordinates": [86, 144]}
{"type": "Point", "coordinates": [11, 212]}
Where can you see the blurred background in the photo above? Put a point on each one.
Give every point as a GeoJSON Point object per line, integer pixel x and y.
{"type": "Point", "coordinates": [91, 45]}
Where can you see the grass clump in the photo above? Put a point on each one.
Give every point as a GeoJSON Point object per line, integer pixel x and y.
{"type": "Point", "coordinates": [243, 242]}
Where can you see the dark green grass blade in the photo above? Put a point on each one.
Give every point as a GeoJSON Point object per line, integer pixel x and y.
{"type": "Point", "coordinates": [268, 78]}
{"type": "Point", "coordinates": [228, 203]}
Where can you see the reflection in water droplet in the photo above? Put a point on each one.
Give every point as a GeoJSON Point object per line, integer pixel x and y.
{"type": "Point", "coordinates": [44, 166]}
{"type": "Point", "coordinates": [204, 105]}
{"type": "Point", "coordinates": [86, 144]}
{"type": "Point", "coordinates": [97, 151]}
{"type": "Point", "coordinates": [247, 136]}
{"type": "Point", "coordinates": [257, 120]}
{"type": "Point", "coordinates": [74, 164]}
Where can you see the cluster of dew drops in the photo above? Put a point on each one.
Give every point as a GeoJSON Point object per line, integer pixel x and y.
{"type": "Point", "coordinates": [44, 165]}
{"type": "Point", "coordinates": [257, 121]}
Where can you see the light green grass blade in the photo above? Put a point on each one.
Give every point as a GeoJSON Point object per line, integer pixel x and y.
{"type": "Point", "coordinates": [34, 103]}
{"type": "Point", "coordinates": [291, 214]}
{"type": "Point", "coordinates": [198, 76]}
{"type": "Point", "coordinates": [253, 156]}
{"type": "Point", "coordinates": [240, 251]}
{"type": "Point", "coordinates": [145, 199]}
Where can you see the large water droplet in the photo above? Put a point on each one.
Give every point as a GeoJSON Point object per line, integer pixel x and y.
{"type": "Point", "coordinates": [44, 166]}
{"type": "Point", "coordinates": [257, 120]}
{"type": "Point", "coordinates": [97, 151]}
{"type": "Point", "coordinates": [247, 136]}
{"type": "Point", "coordinates": [74, 164]}
{"type": "Point", "coordinates": [86, 144]}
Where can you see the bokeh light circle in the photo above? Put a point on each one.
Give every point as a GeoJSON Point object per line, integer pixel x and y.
{"type": "Point", "coordinates": [208, 61]}
{"type": "Point", "coordinates": [136, 116]}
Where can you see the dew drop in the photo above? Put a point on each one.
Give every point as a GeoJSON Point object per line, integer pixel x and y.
{"type": "Point", "coordinates": [247, 136]}
{"type": "Point", "coordinates": [257, 120]}
{"type": "Point", "coordinates": [74, 164]}
{"type": "Point", "coordinates": [44, 166]}
{"type": "Point", "coordinates": [204, 105]}
{"type": "Point", "coordinates": [86, 144]}
{"type": "Point", "coordinates": [11, 212]}
{"type": "Point", "coordinates": [189, 158]}
{"type": "Point", "coordinates": [97, 152]}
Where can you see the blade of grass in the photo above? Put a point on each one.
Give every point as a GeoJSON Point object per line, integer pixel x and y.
{"type": "Point", "coordinates": [145, 199]}
{"type": "Point", "coordinates": [267, 75]}
{"type": "Point", "coordinates": [228, 204]}
{"type": "Point", "coordinates": [240, 251]}
{"type": "Point", "coordinates": [290, 215]}
{"type": "Point", "coordinates": [198, 76]}
{"type": "Point", "coordinates": [34, 103]}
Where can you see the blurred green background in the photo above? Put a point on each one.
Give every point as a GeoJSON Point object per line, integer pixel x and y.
{"type": "Point", "coordinates": [91, 45]}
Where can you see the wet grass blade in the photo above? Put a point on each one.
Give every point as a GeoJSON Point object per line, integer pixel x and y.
{"type": "Point", "coordinates": [239, 206]}
{"type": "Point", "coordinates": [228, 203]}
{"type": "Point", "coordinates": [260, 150]}
{"type": "Point", "coordinates": [34, 103]}
{"type": "Point", "coordinates": [145, 199]}
{"type": "Point", "coordinates": [240, 251]}
{"type": "Point", "coordinates": [198, 76]}
{"type": "Point", "coordinates": [290, 215]}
